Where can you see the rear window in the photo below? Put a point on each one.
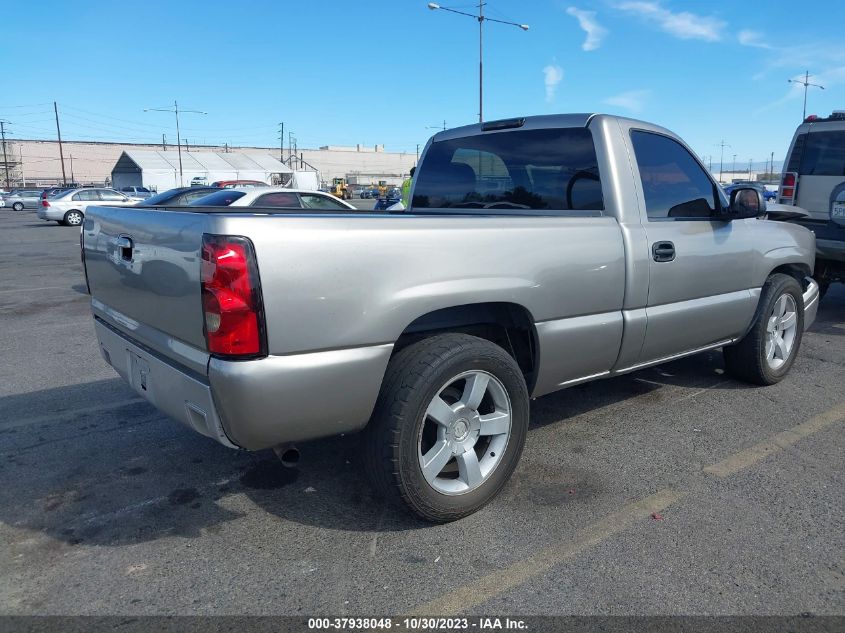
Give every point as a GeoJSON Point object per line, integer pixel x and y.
{"type": "Point", "coordinates": [278, 199]}
{"type": "Point", "coordinates": [824, 154]}
{"type": "Point", "coordinates": [218, 199]}
{"type": "Point", "coordinates": [548, 170]}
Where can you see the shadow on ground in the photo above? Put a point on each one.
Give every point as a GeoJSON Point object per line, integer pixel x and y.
{"type": "Point", "coordinates": [119, 472]}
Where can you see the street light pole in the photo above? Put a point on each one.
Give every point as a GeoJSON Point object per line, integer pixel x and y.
{"type": "Point", "coordinates": [481, 19]}
{"type": "Point", "coordinates": [175, 110]}
{"type": "Point", "coordinates": [723, 145]}
{"type": "Point", "coordinates": [806, 83]}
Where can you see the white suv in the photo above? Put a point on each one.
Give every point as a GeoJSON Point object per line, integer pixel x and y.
{"type": "Point", "coordinates": [814, 179]}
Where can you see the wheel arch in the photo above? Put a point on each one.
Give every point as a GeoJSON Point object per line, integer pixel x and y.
{"type": "Point", "coordinates": [798, 271]}
{"type": "Point", "coordinates": [508, 325]}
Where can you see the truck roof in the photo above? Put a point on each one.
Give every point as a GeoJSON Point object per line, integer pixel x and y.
{"type": "Point", "coordinates": [536, 122]}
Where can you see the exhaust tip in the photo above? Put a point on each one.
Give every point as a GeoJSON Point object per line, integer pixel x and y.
{"type": "Point", "coordinates": [288, 455]}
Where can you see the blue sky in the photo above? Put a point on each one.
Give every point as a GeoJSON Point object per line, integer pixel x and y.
{"type": "Point", "coordinates": [381, 71]}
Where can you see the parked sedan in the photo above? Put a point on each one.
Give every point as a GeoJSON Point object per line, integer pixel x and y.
{"type": "Point", "coordinates": [69, 208]}
{"type": "Point", "coordinates": [274, 197]}
{"type": "Point", "coordinates": [20, 199]}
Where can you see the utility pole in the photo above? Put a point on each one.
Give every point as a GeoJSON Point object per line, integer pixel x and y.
{"type": "Point", "coordinates": [418, 154]}
{"type": "Point", "coordinates": [290, 144]}
{"type": "Point", "coordinates": [175, 110]}
{"type": "Point", "coordinates": [187, 149]}
{"type": "Point", "coordinates": [733, 169]}
{"type": "Point", "coordinates": [723, 145]}
{"type": "Point", "coordinates": [750, 160]}
{"type": "Point", "coordinates": [59, 133]}
{"type": "Point", "coordinates": [72, 179]}
{"type": "Point", "coordinates": [806, 83]}
{"type": "Point", "coordinates": [5, 159]}
{"type": "Point", "coordinates": [163, 142]}
{"type": "Point", "coordinates": [772, 167]}
{"type": "Point", "coordinates": [282, 142]}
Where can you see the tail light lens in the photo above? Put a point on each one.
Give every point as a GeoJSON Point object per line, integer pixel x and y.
{"type": "Point", "coordinates": [231, 298]}
{"type": "Point", "coordinates": [44, 203]}
{"type": "Point", "coordinates": [788, 185]}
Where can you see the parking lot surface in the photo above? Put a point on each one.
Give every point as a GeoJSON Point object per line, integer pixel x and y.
{"type": "Point", "coordinates": [674, 490]}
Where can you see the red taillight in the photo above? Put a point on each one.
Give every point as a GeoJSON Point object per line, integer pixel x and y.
{"type": "Point", "coordinates": [44, 203]}
{"type": "Point", "coordinates": [787, 187]}
{"type": "Point", "coordinates": [231, 297]}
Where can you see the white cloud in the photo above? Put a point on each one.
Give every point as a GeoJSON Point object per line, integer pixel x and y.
{"type": "Point", "coordinates": [553, 75]}
{"type": "Point", "coordinates": [752, 38]}
{"type": "Point", "coordinates": [587, 21]}
{"type": "Point", "coordinates": [633, 100]}
{"type": "Point", "coordinates": [683, 25]}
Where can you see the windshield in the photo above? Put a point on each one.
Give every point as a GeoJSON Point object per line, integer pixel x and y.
{"type": "Point", "coordinates": [218, 199]}
{"type": "Point", "coordinates": [553, 169]}
{"type": "Point", "coordinates": [163, 197]}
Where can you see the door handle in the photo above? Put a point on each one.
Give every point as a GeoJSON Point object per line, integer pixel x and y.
{"type": "Point", "coordinates": [663, 251]}
{"type": "Point", "coordinates": [124, 245]}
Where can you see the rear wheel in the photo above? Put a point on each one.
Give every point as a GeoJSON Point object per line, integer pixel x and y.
{"type": "Point", "coordinates": [73, 218]}
{"type": "Point", "coordinates": [767, 352]}
{"type": "Point", "coordinates": [18, 206]}
{"type": "Point", "coordinates": [449, 426]}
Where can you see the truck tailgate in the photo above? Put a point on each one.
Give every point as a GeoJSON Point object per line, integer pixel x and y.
{"type": "Point", "coordinates": [143, 268]}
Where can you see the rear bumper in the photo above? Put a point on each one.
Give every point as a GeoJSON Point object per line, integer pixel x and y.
{"type": "Point", "coordinates": [811, 301]}
{"type": "Point", "coordinates": [261, 403]}
{"type": "Point", "coordinates": [171, 389]}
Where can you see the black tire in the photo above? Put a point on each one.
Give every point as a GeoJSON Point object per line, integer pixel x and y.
{"type": "Point", "coordinates": [392, 439]}
{"type": "Point", "coordinates": [71, 216]}
{"type": "Point", "coordinates": [18, 206]}
{"type": "Point", "coordinates": [746, 360]}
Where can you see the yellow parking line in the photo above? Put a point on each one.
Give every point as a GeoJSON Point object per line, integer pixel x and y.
{"type": "Point", "coordinates": [492, 585]}
{"type": "Point", "coordinates": [782, 440]}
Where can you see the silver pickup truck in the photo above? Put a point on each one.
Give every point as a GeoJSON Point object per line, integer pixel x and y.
{"type": "Point", "coordinates": [537, 253]}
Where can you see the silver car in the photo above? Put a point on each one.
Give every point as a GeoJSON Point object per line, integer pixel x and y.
{"type": "Point", "coordinates": [69, 207]}
{"type": "Point", "coordinates": [20, 199]}
{"type": "Point", "coordinates": [139, 193]}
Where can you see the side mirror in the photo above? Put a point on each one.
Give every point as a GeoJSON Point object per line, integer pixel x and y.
{"type": "Point", "coordinates": [747, 202]}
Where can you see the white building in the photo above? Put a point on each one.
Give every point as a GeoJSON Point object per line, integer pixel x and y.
{"type": "Point", "coordinates": [162, 170]}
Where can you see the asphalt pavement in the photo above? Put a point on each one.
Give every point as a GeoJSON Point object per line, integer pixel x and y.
{"type": "Point", "coordinates": [674, 490]}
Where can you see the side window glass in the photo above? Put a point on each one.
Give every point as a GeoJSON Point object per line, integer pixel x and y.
{"type": "Point", "coordinates": [312, 201]}
{"type": "Point", "coordinates": [111, 196]}
{"type": "Point", "coordinates": [674, 184]}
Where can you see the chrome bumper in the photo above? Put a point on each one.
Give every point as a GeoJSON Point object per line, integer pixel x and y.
{"type": "Point", "coordinates": [811, 301]}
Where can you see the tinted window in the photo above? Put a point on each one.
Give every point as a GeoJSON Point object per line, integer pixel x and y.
{"type": "Point", "coordinates": [313, 201]}
{"type": "Point", "coordinates": [551, 169]}
{"type": "Point", "coordinates": [218, 199]}
{"type": "Point", "coordinates": [674, 184]}
{"type": "Point", "coordinates": [189, 196]}
{"type": "Point", "coordinates": [163, 197]}
{"type": "Point", "coordinates": [277, 199]}
{"type": "Point", "coordinates": [824, 154]}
